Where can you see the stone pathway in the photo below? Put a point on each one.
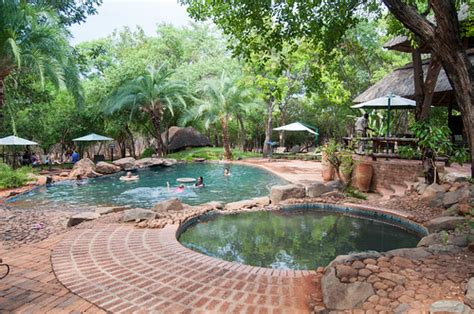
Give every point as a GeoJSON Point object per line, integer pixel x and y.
{"type": "Point", "coordinates": [125, 269]}
{"type": "Point", "coordinates": [32, 287]}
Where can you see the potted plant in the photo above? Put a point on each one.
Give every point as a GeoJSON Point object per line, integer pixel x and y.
{"type": "Point", "coordinates": [363, 175]}
{"type": "Point", "coordinates": [327, 168]}
{"type": "Point", "coordinates": [345, 168]}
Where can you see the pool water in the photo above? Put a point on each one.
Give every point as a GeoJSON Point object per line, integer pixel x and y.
{"type": "Point", "coordinates": [244, 183]}
{"type": "Point", "coordinates": [292, 240]}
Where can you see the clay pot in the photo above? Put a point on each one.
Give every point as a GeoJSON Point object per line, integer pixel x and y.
{"type": "Point", "coordinates": [363, 176]}
{"type": "Point", "coordinates": [328, 171]}
{"type": "Point", "coordinates": [345, 176]}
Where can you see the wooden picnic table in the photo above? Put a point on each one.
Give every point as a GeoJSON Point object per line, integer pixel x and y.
{"type": "Point", "coordinates": [379, 144]}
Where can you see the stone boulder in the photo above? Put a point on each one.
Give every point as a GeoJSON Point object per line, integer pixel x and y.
{"type": "Point", "coordinates": [469, 297]}
{"type": "Point", "coordinates": [280, 193]}
{"type": "Point", "coordinates": [80, 217]}
{"type": "Point", "coordinates": [172, 204]}
{"type": "Point", "coordinates": [343, 296]}
{"type": "Point", "coordinates": [420, 187]}
{"type": "Point", "coordinates": [415, 253]}
{"type": "Point", "coordinates": [460, 195]}
{"type": "Point", "coordinates": [127, 164]}
{"type": "Point", "coordinates": [254, 202]}
{"type": "Point", "coordinates": [449, 306]}
{"type": "Point", "coordinates": [434, 195]}
{"type": "Point", "coordinates": [181, 138]}
{"type": "Point", "coordinates": [106, 168]}
{"type": "Point", "coordinates": [169, 162]}
{"type": "Point", "coordinates": [453, 177]}
{"type": "Point", "coordinates": [108, 210]}
{"type": "Point", "coordinates": [84, 168]}
{"type": "Point", "coordinates": [444, 223]}
{"type": "Point", "coordinates": [149, 162]}
{"type": "Point", "coordinates": [213, 205]}
{"type": "Point", "coordinates": [138, 214]}
{"type": "Point", "coordinates": [316, 189]}
{"type": "Point", "coordinates": [334, 185]}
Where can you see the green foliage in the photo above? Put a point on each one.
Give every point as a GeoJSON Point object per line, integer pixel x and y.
{"type": "Point", "coordinates": [147, 153]}
{"type": "Point", "coordinates": [444, 237]}
{"type": "Point", "coordinates": [10, 178]}
{"type": "Point", "coordinates": [408, 152]}
{"type": "Point", "coordinates": [209, 153]}
{"type": "Point", "coordinates": [352, 192]}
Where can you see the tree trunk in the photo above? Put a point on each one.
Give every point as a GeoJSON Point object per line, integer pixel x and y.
{"type": "Point", "coordinates": [131, 140]}
{"type": "Point", "coordinates": [444, 41]}
{"type": "Point", "coordinates": [268, 126]}
{"type": "Point", "coordinates": [225, 139]}
{"type": "Point", "coordinates": [2, 98]}
{"type": "Point", "coordinates": [418, 78]}
{"type": "Point", "coordinates": [429, 86]}
{"type": "Point", "coordinates": [156, 121]}
{"type": "Point", "coordinates": [241, 132]}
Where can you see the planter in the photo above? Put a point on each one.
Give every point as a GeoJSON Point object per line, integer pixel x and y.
{"type": "Point", "coordinates": [328, 172]}
{"type": "Point", "coordinates": [363, 176]}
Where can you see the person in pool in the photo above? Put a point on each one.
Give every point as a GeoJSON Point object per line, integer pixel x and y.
{"type": "Point", "coordinates": [199, 183]}
{"type": "Point", "coordinates": [179, 189]}
{"type": "Point", "coordinates": [226, 172]}
{"type": "Point", "coordinates": [129, 177]}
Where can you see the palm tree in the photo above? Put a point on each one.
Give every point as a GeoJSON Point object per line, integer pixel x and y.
{"type": "Point", "coordinates": [152, 93]}
{"type": "Point", "coordinates": [220, 100]}
{"type": "Point", "coordinates": [33, 41]}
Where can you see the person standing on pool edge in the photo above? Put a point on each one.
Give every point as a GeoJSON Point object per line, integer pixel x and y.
{"type": "Point", "coordinates": [199, 183]}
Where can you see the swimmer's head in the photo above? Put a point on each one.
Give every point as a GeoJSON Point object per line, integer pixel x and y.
{"type": "Point", "coordinates": [181, 186]}
{"type": "Point", "coordinates": [129, 174]}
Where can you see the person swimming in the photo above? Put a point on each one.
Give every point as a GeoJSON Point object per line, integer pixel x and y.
{"type": "Point", "coordinates": [227, 172]}
{"type": "Point", "coordinates": [180, 188]}
{"type": "Point", "coordinates": [129, 177]}
{"type": "Point", "coordinates": [199, 183]}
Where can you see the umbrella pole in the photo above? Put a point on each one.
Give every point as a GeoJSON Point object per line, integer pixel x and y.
{"type": "Point", "coordinates": [388, 127]}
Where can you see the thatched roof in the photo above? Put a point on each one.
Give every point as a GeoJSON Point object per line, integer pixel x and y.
{"type": "Point", "coordinates": [180, 138]}
{"type": "Point", "coordinates": [401, 82]}
{"type": "Point", "coordinates": [402, 43]}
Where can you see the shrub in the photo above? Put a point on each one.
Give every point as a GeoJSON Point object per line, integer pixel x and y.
{"type": "Point", "coordinates": [10, 178]}
{"type": "Point", "coordinates": [147, 153]}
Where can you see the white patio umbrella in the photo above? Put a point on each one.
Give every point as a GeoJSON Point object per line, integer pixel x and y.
{"type": "Point", "coordinates": [388, 102]}
{"type": "Point", "coordinates": [93, 138]}
{"type": "Point", "coordinates": [298, 126]}
{"type": "Point", "coordinates": [14, 141]}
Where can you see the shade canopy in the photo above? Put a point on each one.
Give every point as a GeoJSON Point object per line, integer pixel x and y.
{"type": "Point", "coordinates": [93, 138]}
{"type": "Point", "coordinates": [297, 126]}
{"type": "Point", "coordinates": [15, 141]}
{"type": "Point", "coordinates": [394, 101]}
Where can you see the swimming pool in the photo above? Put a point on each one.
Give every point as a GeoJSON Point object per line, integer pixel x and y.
{"type": "Point", "coordinates": [296, 239]}
{"type": "Point", "coordinates": [244, 183]}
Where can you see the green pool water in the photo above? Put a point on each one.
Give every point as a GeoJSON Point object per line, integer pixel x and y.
{"type": "Point", "coordinates": [296, 240]}
{"type": "Point", "coordinates": [244, 183]}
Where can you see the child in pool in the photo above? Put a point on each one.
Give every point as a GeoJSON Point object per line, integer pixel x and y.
{"type": "Point", "coordinates": [199, 183]}
{"type": "Point", "coordinates": [129, 177]}
{"type": "Point", "coordinates": [179, 189]}
{"type": "Point", "coordinates": [226, 172]}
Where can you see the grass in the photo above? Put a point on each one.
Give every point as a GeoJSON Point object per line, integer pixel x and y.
{"type": "Point", "coordinates": [10, 178]}
{"type": "Point", "coordinates": [209, 153]}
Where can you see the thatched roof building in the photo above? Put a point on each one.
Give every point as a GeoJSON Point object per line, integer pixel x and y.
{"type": "Point", "coordinates": [181, 138]}
{"type": "Point", "coordinates": [401, 82]}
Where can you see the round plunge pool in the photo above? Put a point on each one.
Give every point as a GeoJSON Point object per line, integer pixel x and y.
{"type": "Point", "coordinates": [298, 238]}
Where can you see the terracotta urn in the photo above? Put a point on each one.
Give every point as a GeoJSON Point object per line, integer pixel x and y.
{"type": "Point", "coordinates": [328, 171]}
{"type": "Point", "coordinates": [363, 176]}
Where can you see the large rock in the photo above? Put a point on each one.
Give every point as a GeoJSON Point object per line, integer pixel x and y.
{"type": "Point", "coordinates": [149, 162]}
{"type": "Point", "coordinates": [469, 297]}
{"type": "Point", "coordinates": [448, 306]}
{"type": "Point", "coordinates": [213, 205]}
{"type": "Point", "coordinates": [169, 162]}
{"type": "Point", "coordinates": [398, 279]}
{"type": "Point", "coordinates": [415, 253]}
{"type": "Point", "coordinates": [104, 210]}
{"type": "Point", "coordinates": [433, 238]}
{"type": "Point", "coordinates": [444, 223]}
{"type": "Point", "coordinates": [137, 214]}
{"type": "Point", "coordinates": [334, 185]}
{"type": "Point", "coordinates": [457, 196]}
{"type": "Point", "coordinates": [84, 168]}
{"type": "Point", "coordinates": [106, 168]}
{"type": "Point", "coordinates": [181, 138]}
{"type": "Point", "coordinates": [316, 189]}
{"type": "Point", "coordinates": [128, 163]}
{"type": "Point", "coordinates": [254, 202]}
{"type": "Point", "coordinates": [434, 195]}
{"type": "Point", "coordinates": [80, 217]}
{"type": "Point", "coordinates": [280, 193]}
{"type": "Point", "coordinates": [453, 177]}
{"type": "Point", "coordinates": [172, 204]}
{"type": "Point", "coordinates": [343, 296]}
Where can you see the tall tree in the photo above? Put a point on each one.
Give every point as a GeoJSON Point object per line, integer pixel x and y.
{"type": "Point", "coordinates": [220, 99]}
{"type": "Point", "coordinates": [280, 21]}
{"type": "Point", "coordinates": [152, 93]}
{"type": "Point", "coordinates": [32, 39]}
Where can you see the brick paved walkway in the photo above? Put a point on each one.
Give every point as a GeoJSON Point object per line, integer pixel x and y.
{"type": "Point", "coordinates": [124, 269]}
{"type": "Point", "coordinates": [31, 286]}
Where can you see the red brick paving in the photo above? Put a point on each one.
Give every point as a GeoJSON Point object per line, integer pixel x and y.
{"type": "Point", "coordinates": [31, 286]}
{"type": "Point", "coordinates": [124, 269]}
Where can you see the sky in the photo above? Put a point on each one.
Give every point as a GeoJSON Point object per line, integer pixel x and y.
{"type": "Point", "coordinates": [115, 14]}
